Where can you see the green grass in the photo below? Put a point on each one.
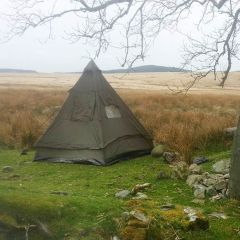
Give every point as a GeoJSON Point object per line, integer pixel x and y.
{"type": "Point", "coordinates": [90, 203]}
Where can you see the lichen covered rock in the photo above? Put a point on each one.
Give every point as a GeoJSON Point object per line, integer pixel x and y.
{"type": "Point", "coordinates": [123, 194]}
{"type": "Point", "coordinates": [148, 220]}
{"type": "Point", "coordinates": [213, 185]}
{"type": "Point", "coordinates": [180, 170]}
{"type": "Point", "coordinates": [221, 166]}
{"type": "Point", "coordinates": [193, 179]}
{"type": "Point", "coordinates": [195, 169]}
{"type": "Point", "coordinates": [158, 151]}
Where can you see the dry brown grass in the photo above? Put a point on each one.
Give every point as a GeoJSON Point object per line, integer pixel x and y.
{"type": "Point", "coordinates": [144, 81]}
{"type": "Point", "coordinates": [185, 123]}
{"type": "Point", "coordinates": [25, 115]}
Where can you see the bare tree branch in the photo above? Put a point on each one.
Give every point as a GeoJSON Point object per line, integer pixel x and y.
{"type": "Point", "coordinates": [140, 22]}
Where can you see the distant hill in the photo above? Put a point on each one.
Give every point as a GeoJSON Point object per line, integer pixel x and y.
{"type": "Point", "coordinates": [139, 69]}
{"type": "Point", "coordinates": [146, 68]}
{"type": "Point", "coordinates": [10, 70]}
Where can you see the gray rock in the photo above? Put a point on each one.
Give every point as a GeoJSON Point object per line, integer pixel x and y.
{"type": "Point", "coordinates": [193, 179]}
{"type": "Point", "coordinates": [214, 176]}
{"type": "Point", "coordinates": [220, 185]}
{"type": "Point", "coordinates": [169, 157]}
{"type": "Point", "coordinates": [180, 170]}
{"type": "Point", "coordinates": [200, 191]}
{"type": "Point", "coordinates": [221, 166]}
{"type": "Point", "coordinates": [217, 197]}
{"type": "Point", "coordinates": [191, 213]}
{"type": "Point", "coordinates": [211, 191]}
{"type": "Point", "coordinates": [140, 187]}
{"type": "Point", "coordinates": [7, 169]}
{"type": "Point", "coordinates": [140, 216]}
{"type": "Point", "coordinates": [122, 194]}
{"type": "Point", "coordinates": [219, 175]}
{"type": "Point", "coordinates": [226, 176]}
{"type": "Point", "coordinates": [115, 238]}
{"type": "Point", "coordinates": [206, 174]}
{"type": "Point", "coordinates": [195, 220]}
{"type": "Point", "coordinates": [140, 196]}
{"type": "Point", "coordinates": [195, 169]}
{"type": "Point", "coordinates": [209, 181]}
{"type": "Point", "coordinates": [224, 191]}
{"type": "Point", "coordinates": [167, 207]}
{"type": "Point", "coordinates": [158, 151]}
{"type": "Point", "coordinates": [200, 160]}
{"type": "Point", "coordinates": [214, 186]}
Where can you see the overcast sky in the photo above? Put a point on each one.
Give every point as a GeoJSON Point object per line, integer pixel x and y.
{"type": "Point", "coordinates": [58, 55]}
{"type": "Point", "coordinates": [32, 51]}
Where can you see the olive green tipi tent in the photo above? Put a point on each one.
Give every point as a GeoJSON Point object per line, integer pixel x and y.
{"type": "Point", "coordinates": [93, 126]}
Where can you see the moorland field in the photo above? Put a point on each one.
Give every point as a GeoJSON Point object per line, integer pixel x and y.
{"type": "Point", "coordinates": [190, 124]}
{"type": "Point", "coordinates": [144, 81]}
{"type": "Point", "coordinates": [186, 123]}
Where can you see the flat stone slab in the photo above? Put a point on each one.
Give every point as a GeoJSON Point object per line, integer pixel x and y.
{"type": "Point", "coordinates": [122, 194]}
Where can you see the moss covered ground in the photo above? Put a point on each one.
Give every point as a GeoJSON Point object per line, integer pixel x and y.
{"type": "Point", "coordinates": [73, 201]}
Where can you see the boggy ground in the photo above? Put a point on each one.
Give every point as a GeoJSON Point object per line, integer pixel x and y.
{"type": "Point", "coordinates": [66, 201]}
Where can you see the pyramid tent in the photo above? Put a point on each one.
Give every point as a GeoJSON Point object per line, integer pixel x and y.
{"type": "Point", "coordinates": [94, 126]}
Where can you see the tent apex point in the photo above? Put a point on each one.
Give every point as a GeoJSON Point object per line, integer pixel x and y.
{"type": "Point", "coordinates": [92, 66]}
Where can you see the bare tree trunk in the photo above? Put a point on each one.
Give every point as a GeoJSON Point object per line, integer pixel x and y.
{"type": "Point", "coordinates": [234, 183]}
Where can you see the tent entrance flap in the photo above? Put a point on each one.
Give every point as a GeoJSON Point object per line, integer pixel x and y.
{"type": "Point", "coordinates": [83, 107]}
